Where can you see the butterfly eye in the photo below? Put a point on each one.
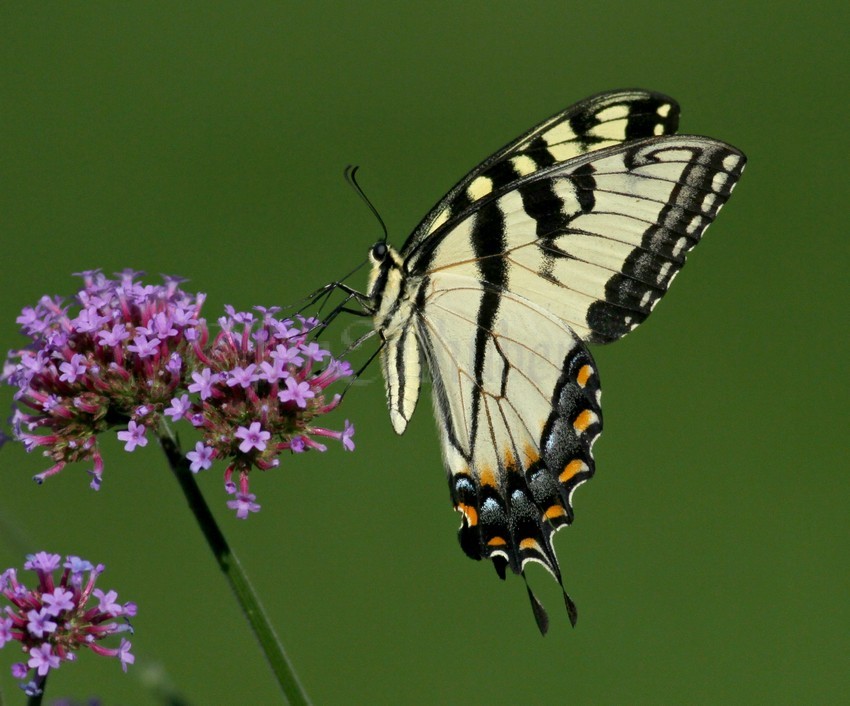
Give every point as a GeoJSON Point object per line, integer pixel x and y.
{"type": "Point", "coordinates": [379, 251]}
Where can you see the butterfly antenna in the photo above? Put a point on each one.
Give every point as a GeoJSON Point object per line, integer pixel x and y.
{"type": "Point", "coordinates": [351, 178]}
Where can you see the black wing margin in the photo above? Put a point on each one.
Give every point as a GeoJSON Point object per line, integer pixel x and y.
{"type": "Point", "coordinates": [603, 120]}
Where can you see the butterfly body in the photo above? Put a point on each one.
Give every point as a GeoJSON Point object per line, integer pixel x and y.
{"type": "Point", "coordinates": [570, 234]}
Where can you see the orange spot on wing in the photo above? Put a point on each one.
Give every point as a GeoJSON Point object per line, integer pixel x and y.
{"type": "Point", "coordinates": [573, 467]}
{"type": "Point", "coordinates": [584, 420]}
{"type": "Point", "coordinates": [529, 544]}
{"type": "Point", "coordinates": [496, 542]}
{"type": "Point", "coordinates": [531, 455]}
{"type": "Point", "coordinates": [553, 512]}
{"type": "Point", "coordinates": [487, 477]}
{"type": "Point", "coordinates": [470, 513]}
{"type": "Point", "coordinates": [509, 460]}
{"type": "Point", "coordinates": [584, 374]}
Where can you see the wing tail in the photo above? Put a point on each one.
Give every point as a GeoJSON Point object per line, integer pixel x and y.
{"type": "Point", "coordinates": [510, 518]}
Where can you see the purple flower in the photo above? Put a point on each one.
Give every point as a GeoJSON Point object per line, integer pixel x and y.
{"type": "Point", "coordinates": [143, 347]}
{"type": "Point", "coordinates": [347, 433]}
{"type": "Point", "coordinates": [77, 565]}
{"type": "Point", "coordinates": [160, 327]}
{"type": "Point", "coordinates": [39, 623]}
{"type": "Point", "coordinates": [253, 438]}
{"type": "Point", "coordinates": [174, 364]}
{"type": "Point", "coordinates": [297, 392]}
{"type": "Point", "coordinates": [6, 631]}
{"type": "Point", "coordinates": [107, 602]}
{"type": "Point", "coordinates": [314, 352]}
{"type": "Point", "coordinates": [286, 355]}
{"type": "Point", "coordinates": [203, 383]}
{"type": "Point", "coordinates": [59, 591]}
{"type": "Point", "coordinates": [73, 369]}
{"type": "Point", "coordinates": [58, 600]}
{"type": "Point", "coordinates": [122, 349]}
{"type": "Point", "coordinates": [184, 316]}
{"type": "Point", "coordinates": [134, 436]}
{"type": "Point", "coordinates": [201, 458]}
{"type": "Point", "coordinates": [273, 371]}
{"type": "Point", "coordinates": [89, 320]}
{"type": "Point", "coordinates": [124, 654]}
{"type": "Point", "coordinates": [113, 337]}
{"type": "Point", "coordinates": [42, 659]}
{"type": "Point", "coordinates": [42, 562]}
{"type": "Point", "coordinates": [242, 376]}
{"type": "Point", "coordinates": [243, 504]}
{"type": "Point", "coordinates": [179, 408]}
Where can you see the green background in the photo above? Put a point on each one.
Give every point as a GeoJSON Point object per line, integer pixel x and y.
{"type": "Point", "coordinates": [709, 557]}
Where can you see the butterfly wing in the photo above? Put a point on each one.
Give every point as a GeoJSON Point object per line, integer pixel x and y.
{"type": "Point", "coordinates": [518, 412]}
{"type": "Point", "coordinates": [596, 240]}
{"type": "Point", "coordinates": [597, 122]}
{"type": "Point", "coordinates": [569, 234]}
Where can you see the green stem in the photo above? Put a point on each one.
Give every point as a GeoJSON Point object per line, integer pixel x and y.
{"type": "Point", "coordinates": [249, 602]}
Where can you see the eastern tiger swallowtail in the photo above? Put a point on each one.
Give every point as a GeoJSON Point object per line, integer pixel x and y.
{"type": "Point", "coordinates": [568, 235]}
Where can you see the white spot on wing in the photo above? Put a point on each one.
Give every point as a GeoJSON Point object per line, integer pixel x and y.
{"type": "Point", "coordinates": [614, 112]}
{"type": "Point", "coordinates": [694, 225]}
{"type": "Point", "coordinates": [664, 110]}
{"type": "Point", "coordinates": [560, 133]}
{"type": "Point", "coordinates": [663, 270]}
{"type": "Point", "coordinates": [680, 246]}
{"type": "Point", "coordinates": [479, 188]}
{"type": "Point", "coordinates": [523, 164]}
{"type": "Point", "coordinates": [730, 162]}
{"type": "Point", "coordinates": [611, 130]}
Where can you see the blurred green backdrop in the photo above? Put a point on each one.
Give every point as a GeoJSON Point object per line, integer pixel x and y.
{"type": "Point", "coordinates": [709, 557]}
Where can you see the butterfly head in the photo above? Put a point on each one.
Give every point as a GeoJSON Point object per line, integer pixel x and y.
{"type": "Point", "coordinates": [385, 280]}
{"type": "Point", "coordinates": [378, 252]}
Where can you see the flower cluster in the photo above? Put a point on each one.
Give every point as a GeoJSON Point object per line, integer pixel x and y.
{"type": "Point", "coordinates": [129, 355]}
{"type": "Point", "coordinates": [259, 392]}
{"type": "Point", "coordinates": [116, 358]}
{"type": "Point", "coordinates": [55, 619]}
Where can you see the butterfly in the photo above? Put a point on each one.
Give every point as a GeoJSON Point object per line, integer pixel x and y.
{"type": "Point", "coordinates": [568, 235]}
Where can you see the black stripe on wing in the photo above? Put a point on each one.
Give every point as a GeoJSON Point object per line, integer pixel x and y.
{"type": "Point", "coordinates": [596, 122]}
{"type": "Point", "coordinates": [703, 188]}
{"type": "Point", "coordinates": [488, 241]}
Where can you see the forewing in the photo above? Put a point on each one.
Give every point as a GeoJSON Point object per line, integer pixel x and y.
{"type": "Point", "coordinates": [597, 122]}
{"type": "Point", "coordinates": [597, 240]}
{"type": "Point", "coordinates": [517, 400]}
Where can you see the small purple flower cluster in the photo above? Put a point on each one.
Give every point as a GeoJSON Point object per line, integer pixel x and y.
{"type": "Point", "coordinates": [55, 619]}
{"type": "Point", "coordinates": [258, 378]}
{"type": "Point", "coordinates": [130, 355]}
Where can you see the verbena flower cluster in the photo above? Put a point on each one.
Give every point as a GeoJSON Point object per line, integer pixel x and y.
{"type": "Point", "coordinates": [127, 354]}
{"type": "Point", "coordinates": [56, 618]}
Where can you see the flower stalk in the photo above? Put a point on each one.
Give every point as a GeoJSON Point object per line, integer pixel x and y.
{"type": "Point", "coordinates": [234, 573]}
